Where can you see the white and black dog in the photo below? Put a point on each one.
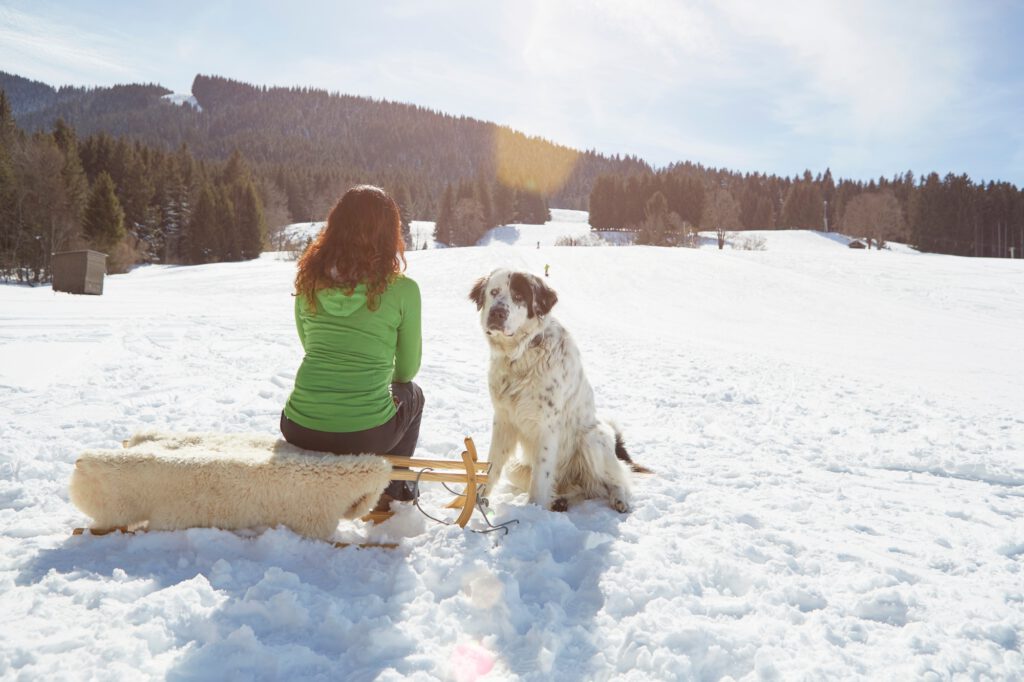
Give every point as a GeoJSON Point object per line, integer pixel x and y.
{"type": "Point", "coordinates": [543, 401]}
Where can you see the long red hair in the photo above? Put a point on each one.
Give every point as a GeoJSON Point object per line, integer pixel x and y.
{"type": "Point", "coordinates": [361, 244]}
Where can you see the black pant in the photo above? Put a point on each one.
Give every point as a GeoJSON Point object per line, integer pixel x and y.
{"type": "Point", "coordinates": [396, 436]}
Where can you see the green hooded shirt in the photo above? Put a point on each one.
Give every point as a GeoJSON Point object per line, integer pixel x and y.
{"type": "Point", "coordinates": [352, 355]}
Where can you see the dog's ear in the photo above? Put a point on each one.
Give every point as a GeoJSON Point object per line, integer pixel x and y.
{"type": "Point", "coordinates": [476, 294]}
{"type": "Point", "coordinates": [544, 297]}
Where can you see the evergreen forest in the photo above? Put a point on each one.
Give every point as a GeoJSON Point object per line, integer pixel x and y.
{"type": "Point", "coordinates": [146, 178]}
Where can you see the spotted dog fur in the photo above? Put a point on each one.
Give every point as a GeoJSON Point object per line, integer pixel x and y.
{"type": "Point", "coordinates": [543, 402]}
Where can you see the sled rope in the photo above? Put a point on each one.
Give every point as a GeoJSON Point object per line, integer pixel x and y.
{"type": "Point", "coordinates": [474, 478]}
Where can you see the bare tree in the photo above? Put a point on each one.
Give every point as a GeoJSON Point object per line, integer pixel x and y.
{"type": "Point", "coordinates": [662, 227]}
{"type": "Point", "coordinates": [877, 217]}
{"type": "Point", "coordinates": [721, 214]}
{"type": "Point", "coordinates": [46, 216]}
{"type": "Point", "coordinates": [275, 212]}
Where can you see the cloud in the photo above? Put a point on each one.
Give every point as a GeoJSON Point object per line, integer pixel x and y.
{"type": "Point", "coordinates": [865, 87]}
{"type": "Point", "coordinates": [855, 67]}
{"type": "Point", "coordinates": [37, 47]}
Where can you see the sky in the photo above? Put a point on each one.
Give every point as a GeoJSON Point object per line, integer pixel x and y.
{"type": "Point", "coordinates": [867, 88]}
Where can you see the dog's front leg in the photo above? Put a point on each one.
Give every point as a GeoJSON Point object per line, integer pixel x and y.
{"type": "Point", "coordinates": [503, 442]}
{"type": "Point", "coordinates": [542, 484]}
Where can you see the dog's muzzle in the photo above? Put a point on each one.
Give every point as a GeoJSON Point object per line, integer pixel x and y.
{"type": "Point", "coordinates": [496, 318]}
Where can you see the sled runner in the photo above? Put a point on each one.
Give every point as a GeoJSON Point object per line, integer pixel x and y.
{"type": "Point", "coordinates": [234, 481]}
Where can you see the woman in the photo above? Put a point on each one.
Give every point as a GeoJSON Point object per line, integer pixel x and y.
{"type": "Point", "coordinates": [358, 319]}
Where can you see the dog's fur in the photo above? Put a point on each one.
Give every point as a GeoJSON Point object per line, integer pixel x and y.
{"type": "Point", "coordinates": [229, 481]}
{"type": "Point", "coordinates": [543, 401]}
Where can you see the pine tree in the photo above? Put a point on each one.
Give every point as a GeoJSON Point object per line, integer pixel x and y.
{"type": "Point", "coordinates": [604, 203]}
{"type": "Point", "coordinates": [467, 222]}
{"type": "Point", "coordinates": [227, 245]}
{"type": "Point", "coordinates": [76, 187]}
{"type": "Point", "coordinates": [804, 205]}
{"type": "Point", "coordinates": [530, 208]}
{"type": "Point", "coordinates": [483, 195]}
{"type": "Point", "coordinates": [200, 241]}
{"type": "Point", "coordinates": [401, 197]}
{"type": "Point", "coordinates": [8, 128]}
{"type": "Point", "coordinates": [176, 209]}
{"type": "Point", "coordinates": [103, 223]}
{"type": "Point", "coordinates": [503, 204]}
{"type": "Point", "coordinates": [443, 226]}
{"type": "Point", "coordinates": [249, 220]}
{"type": "Point", "coordinates": [8, 190]}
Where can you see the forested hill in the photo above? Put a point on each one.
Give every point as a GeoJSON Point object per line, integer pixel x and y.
{"type": "Point", "coordinates": [311, 141]}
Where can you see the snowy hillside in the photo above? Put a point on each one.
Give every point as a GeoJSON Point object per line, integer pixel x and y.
{"type": "Point", "coordinates": [566, 223]}
{"type": "Point", "coordinates": [839, 494]}
{"type": "Point", "coordinates": [563, 223]}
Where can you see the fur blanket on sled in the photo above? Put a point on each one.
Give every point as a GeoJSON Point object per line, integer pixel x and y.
{"type": "Point", "coordinates": [220, 480]}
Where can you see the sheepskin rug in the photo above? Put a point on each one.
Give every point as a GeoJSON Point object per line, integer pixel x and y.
{"type": "Point", "coordinates": [220, 480]}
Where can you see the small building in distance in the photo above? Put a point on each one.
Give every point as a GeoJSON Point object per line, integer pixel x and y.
{"type": "Point", "coordinates": [857, 244]}
{"type": "Point", "coordinates": [79, 272]}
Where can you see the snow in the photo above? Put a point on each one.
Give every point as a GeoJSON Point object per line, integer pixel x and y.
{"type": "Point", "coordinates": [182, 100]}
{"type": "Point", "coordinates": [839, 493]}
{"type": "Point", "coordinates": [563, 223]}
{"type": "Point", "coordinates": [795, 241]}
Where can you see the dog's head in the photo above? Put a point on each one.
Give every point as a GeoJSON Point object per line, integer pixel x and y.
{"type": "Point", "coordinates": [511, 302]}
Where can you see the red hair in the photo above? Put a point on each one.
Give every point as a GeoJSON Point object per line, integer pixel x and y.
{"type": "Point", "coordinates": [361, 244]}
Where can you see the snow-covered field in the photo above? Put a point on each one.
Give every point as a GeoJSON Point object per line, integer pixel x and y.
{"type": "Point", "coordinates": [838, 438]}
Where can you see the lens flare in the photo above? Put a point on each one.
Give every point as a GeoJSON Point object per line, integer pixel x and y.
{"type": "Point", "coordinates": [470, 662]}
{"type": "Point", "coordinates": [532, 164]}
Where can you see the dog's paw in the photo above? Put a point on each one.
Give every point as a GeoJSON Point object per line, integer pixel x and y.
{"type": "Point", "coordinates": [560, 505]}
{"type": "Point", "coordinates": [620, 506]}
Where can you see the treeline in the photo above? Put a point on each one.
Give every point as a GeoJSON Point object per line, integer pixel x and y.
{"type": "Point", "coordinates": [951, 214]}
{"type": "Point", "coordinates": [136, 203]}
{"type": "Point", "coordinates": [313, 143]}
{"type": "Point", "coordinates": [471, 208]}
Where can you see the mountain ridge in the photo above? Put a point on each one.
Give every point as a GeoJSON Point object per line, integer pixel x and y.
{"type": "Point", "coordinates": [323, 132]}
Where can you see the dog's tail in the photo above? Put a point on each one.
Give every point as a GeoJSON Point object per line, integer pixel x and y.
{"type": "Point", "coordinates": [620, 452]}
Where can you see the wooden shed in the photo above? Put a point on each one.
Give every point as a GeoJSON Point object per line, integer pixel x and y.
{"type": "Point", "coordinates": [79, 272]}
{"type": "Point", "coordinates": [856, 244]}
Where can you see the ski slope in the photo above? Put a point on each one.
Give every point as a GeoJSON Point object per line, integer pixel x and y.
{"type": "Point", "coordinates": [837, 437]}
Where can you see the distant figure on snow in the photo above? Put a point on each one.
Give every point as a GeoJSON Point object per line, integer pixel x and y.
{"type": "Point", "coordinates": [358, 319]}
{"type": "Point", "coordinates": [546, 266]}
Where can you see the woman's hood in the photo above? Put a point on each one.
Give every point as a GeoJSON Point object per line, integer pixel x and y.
{"type": "Point", "coordinates": [337, 302]}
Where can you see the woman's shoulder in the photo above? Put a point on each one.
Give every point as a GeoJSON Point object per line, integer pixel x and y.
{"type": "Point", "coordinates": [404, 285]}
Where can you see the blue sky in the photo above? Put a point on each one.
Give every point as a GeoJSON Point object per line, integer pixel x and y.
{"type": "Point", "coordinates": [867, 88]}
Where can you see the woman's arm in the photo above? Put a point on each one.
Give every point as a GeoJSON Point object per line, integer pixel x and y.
{"type": "Point", "coordinates": [410, 343]}
{"type": "Point", "coordinates": [298, 323]}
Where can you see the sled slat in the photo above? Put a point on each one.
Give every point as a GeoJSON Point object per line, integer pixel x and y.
{"type": "Point", "coordinates": [433, 476]}
{"type": "Point", "coordinates": [472, 480]}
{"type": "Point", "coordinates": [413, 462]}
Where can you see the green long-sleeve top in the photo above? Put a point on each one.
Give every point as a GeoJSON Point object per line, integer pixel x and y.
{"type": "Point", "coordinates": [352, 355]}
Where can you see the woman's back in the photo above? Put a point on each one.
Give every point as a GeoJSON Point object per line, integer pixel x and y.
{"type": "Point", "coordinates": [353, 354]}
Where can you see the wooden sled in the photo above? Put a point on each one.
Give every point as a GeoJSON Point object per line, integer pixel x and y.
{"type": "Point", "coordinates": [473, 474]}
{"type": "Point", "coordinates": [467, 471]}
